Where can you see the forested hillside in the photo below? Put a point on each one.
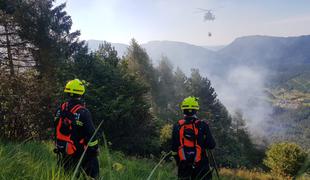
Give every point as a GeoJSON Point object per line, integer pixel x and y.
{"type": "Point", "coordinates": [136, 100]}
{"type": "Point", "coordinates": [278, 67]}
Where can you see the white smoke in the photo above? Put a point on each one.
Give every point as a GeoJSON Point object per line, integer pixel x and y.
{"type": "Point", "coordinates": [243, 89]}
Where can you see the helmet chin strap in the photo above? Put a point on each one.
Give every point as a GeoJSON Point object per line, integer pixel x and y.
{"type": "Point", "coordinates": [194, 116]}
{"type": "Point", "coordinates": [76, 97]}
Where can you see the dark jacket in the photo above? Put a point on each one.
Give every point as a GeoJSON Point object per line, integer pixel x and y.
{"type": "Point", "coordinates": [205, 137]}
{"type": "Point", "coordinates": [82, 130]}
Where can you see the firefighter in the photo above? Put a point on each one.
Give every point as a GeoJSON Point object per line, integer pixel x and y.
{"type": "Point", "coordinates": [190, 139]}
{"type": "Point", "coordinates": [74, 128]}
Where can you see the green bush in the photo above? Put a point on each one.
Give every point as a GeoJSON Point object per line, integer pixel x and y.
{"type": "Point", "coordinates": [25, 106]}
{"type": "Point", "coordinates": [285, 158]}
{"type": "Point", "coordinates": [165, 137]}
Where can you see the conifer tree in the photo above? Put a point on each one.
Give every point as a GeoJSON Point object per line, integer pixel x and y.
{"type": "Point", "coordinates": [166, 92]}
{"type": "Point", "coordinates": [118, 97]}
{"type": "Point", "coordinates": [139, 64]}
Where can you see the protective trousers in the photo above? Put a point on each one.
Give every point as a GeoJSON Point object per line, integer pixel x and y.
{"type": "Point", "coordinates": [186, 170]}
{"type": "Point", "coordinates": [90, 165]}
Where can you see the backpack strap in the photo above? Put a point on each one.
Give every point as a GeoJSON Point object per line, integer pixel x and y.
{"type": "Point", "coordinates": [64, 105]}
{"type": "Point", "coordinates": [76, 108]}
{"type": "Point", "coordinates": [181, 152]}
{"type": "Point", "coordinates": [181, 131]}
{"type": "Point", "coordinates": [181, 122]}
{"type": "Point", "coordinates": [73, 110]}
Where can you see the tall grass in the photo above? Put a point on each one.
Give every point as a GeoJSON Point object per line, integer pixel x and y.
{"type": "Point", "coordinates": [36, 161]}
{"type": "Point", "coordinates": [84, 152]}
{"type": "Point", "coordinates": [28, 161]}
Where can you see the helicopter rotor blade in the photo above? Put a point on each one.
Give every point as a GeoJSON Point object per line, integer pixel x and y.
{"type": "Point", "coordinates": [208, 10]}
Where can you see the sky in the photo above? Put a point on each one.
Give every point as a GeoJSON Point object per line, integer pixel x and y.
{"type": "Point", "coordinates": [118, 21]}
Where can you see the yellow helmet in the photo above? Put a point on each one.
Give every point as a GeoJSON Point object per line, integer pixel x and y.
{"type": "Point", "coordinates": [75, 87]}
{"type": "Point", "coordinates": [190, 102]}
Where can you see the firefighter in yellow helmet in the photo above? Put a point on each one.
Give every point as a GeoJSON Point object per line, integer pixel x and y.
{"type": "Point", "coordinates": [73, 131]}
{"type": "Point", "coordinates": [190, 139]}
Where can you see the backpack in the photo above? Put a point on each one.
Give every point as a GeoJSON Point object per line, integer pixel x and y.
{"type": "Point", "coordinates": [64, 140]}
{"type": "Point", "coordinates": [189, 149]}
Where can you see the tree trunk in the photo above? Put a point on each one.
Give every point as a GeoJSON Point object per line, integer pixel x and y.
{"type": "Point", "coordinates": [9, 50]}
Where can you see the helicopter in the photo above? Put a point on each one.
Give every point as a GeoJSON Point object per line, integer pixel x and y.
{"type": "Point", "coordinates": [208, 14]}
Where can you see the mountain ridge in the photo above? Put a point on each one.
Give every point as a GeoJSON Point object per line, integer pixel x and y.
{"type": "Point", "coordinates": [282, 57]}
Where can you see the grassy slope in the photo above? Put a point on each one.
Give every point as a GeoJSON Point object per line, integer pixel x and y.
{"type": "Point", "coordinates": [35, 160]}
